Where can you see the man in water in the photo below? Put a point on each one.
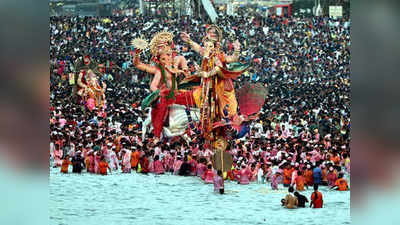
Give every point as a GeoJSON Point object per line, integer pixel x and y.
{"type": "Point", "coordinates": [341, 184]}
{"type": "Point", "coordinates": [290, 200]}
{"type": "Point", "coordinates": [218, 183]}
{"type": "Point", "coordinates": [77, 163]}
{"type": "Point", "coordinates": [301, 198]}
{"type": "Point", "coordinates": [316, 198]}
{"type": "Point", "coordinates": [317, 174]}
{"type": "Point", "coordinates": [185, 167]}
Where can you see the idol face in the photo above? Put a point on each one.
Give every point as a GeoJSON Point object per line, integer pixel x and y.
{"type": "Point", "coordinates": [212, 34]}
{"type": "Point", "coordinates": [166, 56]}
{"type": "Point", "coordinates": [220, 143]}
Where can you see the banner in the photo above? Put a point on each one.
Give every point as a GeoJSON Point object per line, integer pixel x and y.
{"type": "Point", "coordinates": [335, 11]}
{"type": "Point", "coordinates": [210, 10]}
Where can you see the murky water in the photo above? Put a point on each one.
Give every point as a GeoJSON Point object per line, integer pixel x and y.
{"type": "Point", "coordinates": [165, 199]}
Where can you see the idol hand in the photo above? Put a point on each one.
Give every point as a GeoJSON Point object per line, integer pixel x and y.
{"type": "Point", "coordinates": [185, 37]}
{"type": "Point", "coordinates": [204, 74]}
{"type": "Point", "coordinates": [236, 45]}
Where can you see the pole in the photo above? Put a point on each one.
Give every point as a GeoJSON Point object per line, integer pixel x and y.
{"type": "Point", "coordinates": [222, 168]}
{"type": "Point", "coordinates": [141, 7]}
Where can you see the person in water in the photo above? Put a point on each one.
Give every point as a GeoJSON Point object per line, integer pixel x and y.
{"type": "Point", "coordinates": [157, 165]}
{"type": "Point", "coordinates": [275, 180]}
{"type": "Point", "coordinates": [302, 199]}
{"type": "Point", "coordinates": [103, 166]}
{"type": "Point", "coordinates": [331, 177]}
{"type": "Point", "coordinates": [244, 175]}
{"type": "Point", "coordinates": [186, 168]}
{"type": "Point", "coordinates": [218, 183]}
{"type": "Point", "coordinates": [300, 180]}
{"type": "Point", "coordinates": [287, 175]}
{"type": "Point", "coordinates": [341, 184]}
{"type": "Point", "coordinates": [308, 175]}
{"type": "Point", "coordinates": [290, 201]}
{"type": "Point", "coordinates": [208, 176]}
{"type": "Point", "coordinates": [78, 163]}
{"type": "Point", "coordinates": [65, 164]}
{"type": "Point", "coordinates": [144, 163]}
{"type": "Point", "coordinates": [201, 167]}
{"type": "Point", "coordinates": [316, 198]}
{"type": "Point", "coordinates": [317, 174]}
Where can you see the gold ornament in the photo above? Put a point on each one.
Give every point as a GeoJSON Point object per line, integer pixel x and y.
{"type": "Point", "coordinates": [159, 41]}
{"type": "Point", "coordinates": [139, 43]}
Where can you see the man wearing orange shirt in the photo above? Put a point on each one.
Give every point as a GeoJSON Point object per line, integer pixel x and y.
{"type": "Point", "coordinates": [299, 181]}
{"type": "Point", "coordinates": [65, 164]}
{"type": "Point", "coordinates": [287, 176]}
{"type": "Point", "coordinates": [308, 175]}
{"type": "Point", "coordinates": [341, 184]}
{"type": "Point", "coordinates": [135, 159]}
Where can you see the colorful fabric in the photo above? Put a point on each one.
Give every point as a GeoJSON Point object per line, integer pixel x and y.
{"type": "Point", "coordinates": [171, 90]}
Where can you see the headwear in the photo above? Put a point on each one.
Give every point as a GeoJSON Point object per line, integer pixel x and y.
{"type": "Point", "coordinates": [217, 29]}
{"type": "Point", "coordinates": [159, 41]}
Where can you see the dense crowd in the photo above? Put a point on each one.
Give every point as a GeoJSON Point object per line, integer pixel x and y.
{"type": "Point", "coordinates": [300, 138]}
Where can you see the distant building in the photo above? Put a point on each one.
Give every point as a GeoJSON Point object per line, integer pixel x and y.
{"type": "Point", "coordinates": [82, 7]}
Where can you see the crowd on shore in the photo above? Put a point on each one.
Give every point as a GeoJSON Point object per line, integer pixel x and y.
{"type": "Point", "coordinates": [301, 137]}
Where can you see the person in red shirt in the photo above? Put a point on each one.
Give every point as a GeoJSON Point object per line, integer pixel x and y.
{"type": "Point", "coordinates": [144, 163]}
{"type": "Point", "coordinates": [316, 198]}
{"type": "Point", "coordinates": [103, 166]}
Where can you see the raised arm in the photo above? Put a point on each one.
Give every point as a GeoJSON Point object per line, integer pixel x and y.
{"type": "Point", "coordinates": [142, 66]}
{"type": "Point", "coordinates": [196, 47]}
{"type": "Point", "coordinates": [236, 53]}
{"type": "Point", "coordinates": [181, 64]}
